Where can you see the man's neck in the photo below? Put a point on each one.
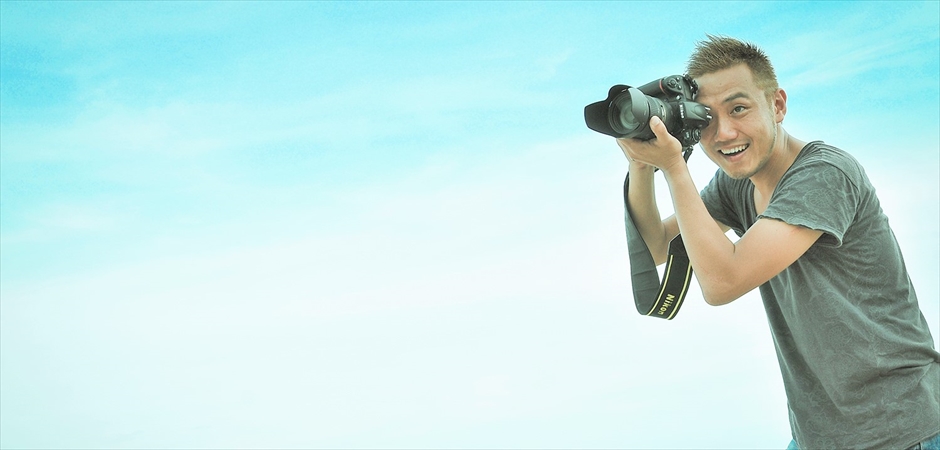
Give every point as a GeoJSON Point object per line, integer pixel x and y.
{"type": "Point", "coordinates": [785, 151]}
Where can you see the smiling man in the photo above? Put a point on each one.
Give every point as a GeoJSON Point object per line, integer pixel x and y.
{"type": "Point", "coordinates": [855, 352]}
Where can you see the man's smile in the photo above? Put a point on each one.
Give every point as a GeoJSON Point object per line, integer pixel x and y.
{"type": "Point", "coordinates": [733, 150]}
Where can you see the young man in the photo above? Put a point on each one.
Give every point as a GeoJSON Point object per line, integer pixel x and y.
{"type": "Point", "coordinates": [855, 351]}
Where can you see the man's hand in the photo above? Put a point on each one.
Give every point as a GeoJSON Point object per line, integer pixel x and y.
{"type": "Point", "coordinates": [663, 152]}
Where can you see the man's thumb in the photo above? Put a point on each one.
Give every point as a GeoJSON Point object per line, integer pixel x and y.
{"type": "Point", "coordinates": [658, 127]}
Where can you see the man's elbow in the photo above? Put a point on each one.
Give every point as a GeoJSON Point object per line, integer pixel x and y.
{"type": "Point", "coordinates": [720, 295]}
{"type": "Point", "coordinates": [718, 301]}
{"type": "Point", "coordinates": [659, 257]}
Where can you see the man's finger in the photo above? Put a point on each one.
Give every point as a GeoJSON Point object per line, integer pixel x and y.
{"type": "Point", "coordinates": [658, 127]}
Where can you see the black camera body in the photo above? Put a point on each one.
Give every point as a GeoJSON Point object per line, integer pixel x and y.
{"type": "Point", "coordinates": [626, 111]}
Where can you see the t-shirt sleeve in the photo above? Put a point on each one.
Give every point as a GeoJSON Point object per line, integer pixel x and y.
{"type": "Point", "coordinates": [715, 195]}
{"type": "Point", "coordinates": [816, 195]}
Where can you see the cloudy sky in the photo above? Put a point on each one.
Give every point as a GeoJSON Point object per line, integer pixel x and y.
{"type": "Point", "coordinates": [354, 225]}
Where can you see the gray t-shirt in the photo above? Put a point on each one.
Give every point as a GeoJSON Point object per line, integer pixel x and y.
{"type": "Point", "coordinates": [856, 354]}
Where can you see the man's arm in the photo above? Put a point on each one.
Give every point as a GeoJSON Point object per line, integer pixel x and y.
{"type": "Point", "coordinates": [641, 201]}
{"type": "Point", "coordinates": [725, 270]}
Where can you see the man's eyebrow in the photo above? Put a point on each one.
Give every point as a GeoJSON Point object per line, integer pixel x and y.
{"type": "Point", "coordinates": [736, 96]}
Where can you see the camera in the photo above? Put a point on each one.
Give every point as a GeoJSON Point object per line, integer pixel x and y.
{"type": "Point", "coordinates": [626, 111]}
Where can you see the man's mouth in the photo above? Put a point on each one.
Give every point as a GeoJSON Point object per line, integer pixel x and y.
{"type": "Point", "coordinates": [733, 150]}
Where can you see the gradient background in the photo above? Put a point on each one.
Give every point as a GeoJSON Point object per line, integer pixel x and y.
{"type": "Point", "coordinates": [385, 224]}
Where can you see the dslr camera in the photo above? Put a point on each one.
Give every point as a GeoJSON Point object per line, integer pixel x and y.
{"type": "Point", "coordinates": [626, 111]}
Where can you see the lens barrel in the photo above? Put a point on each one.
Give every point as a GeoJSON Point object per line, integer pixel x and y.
{"type": "Point", "coordinates": [630, 112]}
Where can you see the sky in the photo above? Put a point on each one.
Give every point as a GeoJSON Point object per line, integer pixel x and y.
{"type": "Point", "coordinates": [386, 225]}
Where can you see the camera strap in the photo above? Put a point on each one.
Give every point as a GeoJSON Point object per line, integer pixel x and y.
{"type": "Point", "coordinates": [652, 297]}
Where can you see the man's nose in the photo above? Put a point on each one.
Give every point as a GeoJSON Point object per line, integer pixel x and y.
{"type": "Point", "coordinates": [724, 130]}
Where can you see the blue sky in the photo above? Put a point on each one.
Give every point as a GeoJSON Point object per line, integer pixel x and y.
{"type": "Point", "coordinates": [353, 225]}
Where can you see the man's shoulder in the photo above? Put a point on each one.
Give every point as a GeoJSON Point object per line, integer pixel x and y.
{"type": "Point", "coordinates": [818, 152]}
{"type": "Point", "coordinates": [819, 156]}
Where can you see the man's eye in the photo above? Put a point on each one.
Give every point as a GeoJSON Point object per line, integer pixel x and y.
{"type": "Point", "coordinates": [738, 109]}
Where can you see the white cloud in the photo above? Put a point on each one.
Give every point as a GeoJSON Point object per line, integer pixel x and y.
{"type": "Point", "coordinates": [839, 52]}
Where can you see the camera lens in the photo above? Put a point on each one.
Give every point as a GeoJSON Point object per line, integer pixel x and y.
{"type": "Point", "coordinates": [627, 118]}
{"type": "Point", "coordinates": [629, 111]}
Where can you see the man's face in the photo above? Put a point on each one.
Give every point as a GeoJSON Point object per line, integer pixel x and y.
{"type": "Point", "coordinates": [743, 131]}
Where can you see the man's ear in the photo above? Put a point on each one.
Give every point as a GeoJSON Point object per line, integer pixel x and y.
{"type": "Point", "coordinates": [779, 102]}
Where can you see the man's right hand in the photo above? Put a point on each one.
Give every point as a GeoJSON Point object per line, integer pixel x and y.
{"type": "Point", "coordinates": [663, 152]}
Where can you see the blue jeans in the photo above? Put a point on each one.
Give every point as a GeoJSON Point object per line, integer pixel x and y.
{"type": "Point", "coordinates": [930, 444]}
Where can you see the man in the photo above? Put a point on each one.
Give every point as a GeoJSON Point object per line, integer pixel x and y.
{"type": "Point", "coordinates": [855, 351]}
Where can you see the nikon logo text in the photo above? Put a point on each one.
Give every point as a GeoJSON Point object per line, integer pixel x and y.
{"type": "Point", "coordinates": [666, 304]}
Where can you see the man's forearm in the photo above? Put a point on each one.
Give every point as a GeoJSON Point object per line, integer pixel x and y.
{"type": "Point", "coordinates": [707, 245]}
{"type": "Point", "coordinates": [641, 201]}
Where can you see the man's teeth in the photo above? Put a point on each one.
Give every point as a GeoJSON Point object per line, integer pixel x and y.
{"type": "Point", "coordinates": [733, 150]}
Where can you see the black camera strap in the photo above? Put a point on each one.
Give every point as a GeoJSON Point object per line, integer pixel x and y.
{"type": "Point", "coordinates": [653, 298]}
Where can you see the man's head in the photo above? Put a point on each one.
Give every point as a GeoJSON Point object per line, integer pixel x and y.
{"type": "Point", "coordinates": [719, 52]}
{"type": "Point", "coordinates": [737, 82]}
